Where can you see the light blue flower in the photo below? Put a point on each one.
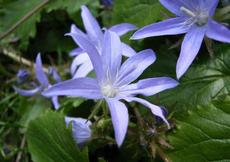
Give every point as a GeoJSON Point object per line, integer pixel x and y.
{"type": "Point", "coordinates": [22, 75]}
{"type": "Point", "coordinates": [80, 129]}
{"type": "Point", "coordinates": [43, 80]}
{"type": "Point", "coordinates": [194, 17]}
{"type": "Point", "coordinates": [114, 81]}
{"type": "Point", "coordinates": [81, 64]}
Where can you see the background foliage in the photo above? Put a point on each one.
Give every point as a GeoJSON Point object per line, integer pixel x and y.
{"type": "Point", "coordinates": [199, 108]}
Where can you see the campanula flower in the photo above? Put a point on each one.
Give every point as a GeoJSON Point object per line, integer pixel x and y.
{"type": "Point", "coordinates": [43, 80]}
{"type": "Point", "coordinates": [80, 129]}
{"type": "Point", "coordinates": [22, 75]}
{"type": "Point", "coordinates": [113, 81]}
{"type": "Point", "coordinates": [194, 17]}
{"type": "Point", "coordinates": [82, 65]}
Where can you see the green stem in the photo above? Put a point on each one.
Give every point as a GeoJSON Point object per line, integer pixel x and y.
{"type": "Point", "coordinates": [96, 109]}
{"type": "Point", "coordinates": [23, 19]}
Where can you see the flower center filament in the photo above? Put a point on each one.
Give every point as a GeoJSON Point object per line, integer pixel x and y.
{"type": "Point", "coordinates": [200, 18]}
{"type": "Point", "coordinates": [109, 90]}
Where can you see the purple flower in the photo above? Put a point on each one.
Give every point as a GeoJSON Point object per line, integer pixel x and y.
{"type": "Point", "coordinates": [80, 129]}
{"type": "Point", "coordinates": [22, 75]}
{"type": "Point", "coordinates": [114, 81]}
{"type": "Point", "coordinates": [194, 17]}
{"type": "Point", "coordinates": [43, 80]}
{"type": "Point", "coordinates": [81, 64]}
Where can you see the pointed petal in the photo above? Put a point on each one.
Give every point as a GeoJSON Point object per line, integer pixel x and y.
{"type": "Point", "coordinates": [168, 27]}
{"type": "Point", "coordinates": [127, 50]}
{"type": "Point", "coordinates": [78, 60]}
{"type": "Point", "coordinates": [172, 5]}
{"type": "Point", "coordinates": [190, 48]}
{"type": "Point", "coordinates": [83, 70]}
{"type": "Point", "coordinates": [134, 66]}
{"type": "Point", "coordinates": [211, 4]}
{"type": "Point", "coordinates": [111, 53]}
{"type": "Point", "coordinates": [123, 28]}
{"type": "Point", "coordinates": [120, 119]}
{"type": "Point", "coordinates": [55, 102]}
{"type": "Point", "coordinates": [76, 51]}
{"type": "Point", "coordinates": [80, 87]}
{"type": "Point", "coordinates": [27, 92]}
{"type": "Point", "coordinates": [91, 25]}
{"type": "Point", "coordinates": [80, 128]}
{"type": "Point", "coordinates": [151, 86]}
{"type": "Point", "coordinates": [54, 74]}
{"type": "Point", "coordinates": [74, 29]}
{"type": "Point", "coordinates": [92, 53]}
{"type": "Point", "coordinates": [218, 32]}
{"type": "Point", "coordinates": [40, 74]}
{"type": "Point", "coordinates": [156, 110]}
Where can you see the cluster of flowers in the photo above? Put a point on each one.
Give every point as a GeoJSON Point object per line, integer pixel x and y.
{"type": "Point", "coordinates": [101, 50]}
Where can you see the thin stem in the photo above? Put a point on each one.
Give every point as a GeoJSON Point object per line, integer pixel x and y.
{"type": "Point", "coordinates": [208, 44]}
{"type": "Point", "coordinates": [141, 124]}
{"type": "Point", "coordinates": [96, 109]}
{"type": "Point", "coordinates": [22, 145]}
{"type": "Point", "coordinates": [24, 18]}
{"type": "Point", "coordinates": [161, 153]}
{"type": "Point", "coordinates": [13, 55]}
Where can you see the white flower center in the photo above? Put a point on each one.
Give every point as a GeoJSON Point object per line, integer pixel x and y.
{"type": "Point", "coordinates": [200, 18]}
{"type": "Point", "coordinates": [109, 90]}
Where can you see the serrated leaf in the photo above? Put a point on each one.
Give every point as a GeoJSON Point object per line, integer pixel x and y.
{"type": "Point", "coordinates": [203, 82]}
{"type": "Point", "coordinates": [12, 11]}
{"type": "Point", "coordinates": [138, 12]}
{"type": "Point", "coordinates": [203, 135]}
{"type": "Point", "coordinates": [50, 141]}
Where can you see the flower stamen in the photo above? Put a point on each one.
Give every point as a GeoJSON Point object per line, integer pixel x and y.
{"type": "Point", "coordinates": [200, 18]}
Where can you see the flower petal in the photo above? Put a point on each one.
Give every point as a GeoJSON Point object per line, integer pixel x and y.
{"type": "Point", "coordinates": [55, 102]}
{"type": "Point", "coordinates": [211, 4]}
{"type": "Point", "coordinates": [218, 32]}
{"type": "Point", "coordinates": [80, 87]}
{"type": "Point", "coordinates": [134, 66]}
{"type": "Point", "coordinates": [171, 26]}
{"type": "Point", "coordinates": [74, 29]}
{"type": "Point", "coordinates": [156, 110]}
{"type": "Point", "coordinates": [78, 60]}
{"type": "Point", "coordinates": [76, 51]}
{"type": "Point", "coordinates": [54, 74]}
{"type": "Point", "coordinates": [190, 48]}
{"type": "Point", "coordinates": [127, 50]}
{"type": "Point", "coordinates": [123, 28]}
{"type": "Point", "coordinates": [83, 70]}
{"type": "Point", "coordinates": [80, 129]}
{"type": "Point", "coordinates": [120, 119]}
{"type": "Point", "coordinates": [40, 74]}
{"type": "Point", "coordinates": [92, 53]}
{"type": "Point", "coordinates": [91, 25]}
{"type": "Point", "coordinates": [151, 86]}
{"type": "Point", "coordinates": [27, 92]}
{"type": "Point", "coordinates": [172, 5]}
{"type": "Point", "coordinates": [111, 53]}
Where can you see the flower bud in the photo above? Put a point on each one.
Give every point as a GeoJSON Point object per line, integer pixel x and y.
{"type": "Point", "coordinates": [80, 129]}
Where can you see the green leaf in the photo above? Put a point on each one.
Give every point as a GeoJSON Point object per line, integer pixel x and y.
{"type": "Point", "coordinates": [31, 111]}
{"type": "Point", "coordinates": [12, 11]}
{"type": "Point", "coordinates": [50, 141]}
{"type": "Point", "coordinates": [72, 6]}
{"type": "Point", "coordinates": [203, 135]}
{"type": "Point", "coordinates": [203, 82]}
{"type": "Point", "coordinates": [138, 12]}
